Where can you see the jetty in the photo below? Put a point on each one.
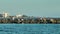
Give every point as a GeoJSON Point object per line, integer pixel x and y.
{"type": "Point", "coordinates": [23, 19]}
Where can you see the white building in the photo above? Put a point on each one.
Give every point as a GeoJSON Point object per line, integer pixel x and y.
{"type": "Point", "coordinates": [5, 15]}
{"type": "Point", "coordinates": [19, 15]}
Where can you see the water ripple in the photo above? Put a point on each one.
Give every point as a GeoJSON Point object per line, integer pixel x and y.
{"type": "Point", "coordinates": [30, 29]}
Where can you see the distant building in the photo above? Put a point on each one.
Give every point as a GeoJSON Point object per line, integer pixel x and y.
{"type": "Point", "coordinates": [1, 15]}
{"type": "Point", "coordinates": [19, 15]}
{"type": "Point", "coordinates": [5, 15]}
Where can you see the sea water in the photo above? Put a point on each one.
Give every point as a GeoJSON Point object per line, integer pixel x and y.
{"type": "Point", "coordinates": [29, 28]}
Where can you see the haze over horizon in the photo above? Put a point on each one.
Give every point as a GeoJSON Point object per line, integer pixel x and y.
{"type": "Point", "coordinates": [46, 8]}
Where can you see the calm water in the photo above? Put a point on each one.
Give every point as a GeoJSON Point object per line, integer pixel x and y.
{"type": "Point", "coordinates": [29, 28]}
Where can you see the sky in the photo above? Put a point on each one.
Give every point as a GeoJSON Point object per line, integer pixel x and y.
{"type": "Point", "coordinates": [41, 8]}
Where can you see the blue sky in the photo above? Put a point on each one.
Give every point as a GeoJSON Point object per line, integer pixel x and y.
{"type": "Point", "coordinates": [46, 8]}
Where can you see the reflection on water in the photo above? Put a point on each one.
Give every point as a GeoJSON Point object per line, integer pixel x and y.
{"type": "Point", "coordinates": [29, 28]}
